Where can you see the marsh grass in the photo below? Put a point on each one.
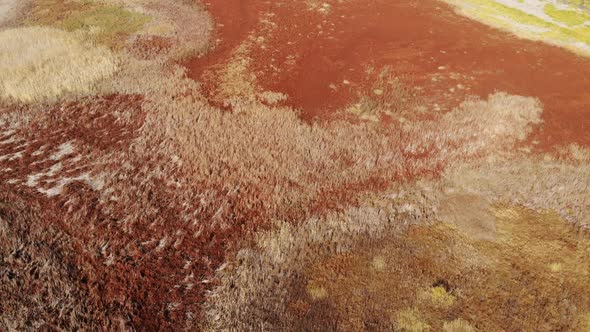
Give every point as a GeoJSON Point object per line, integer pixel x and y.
{"type": "Point", "coordinates": [510, 273]}
{"type": "Point", "coordinates": [43, 64]}
{"type": "Point", "coordinates": [519, 255]}
{"type": "Point", "coordinates": [264, 199]}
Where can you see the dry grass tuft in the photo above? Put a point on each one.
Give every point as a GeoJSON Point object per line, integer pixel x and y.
{"type": "Point", "coordinates": [316, 291]}
{"type": "Point", "coordinates": [387, 96]}
{"type": "Point", "coordinates": [458, 325]}
{"type": "Point", "coordinates": [438, 296]}
{"type": "Point", "coordinates": [44, 64]}
{"type": "Point", "coordinates": [410, 320]}
{"type": "Point", "coordinates": [237, 84]}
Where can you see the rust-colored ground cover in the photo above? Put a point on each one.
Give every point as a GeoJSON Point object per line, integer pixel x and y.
{"type": "Point", "coordinates": [319, 58]}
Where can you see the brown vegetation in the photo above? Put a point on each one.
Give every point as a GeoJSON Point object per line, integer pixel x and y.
{"type": "Point", "coordinates": [129, 202]}
{"type": "Point", "coordinates": [433, 275]}
{"type": "Point", "coordinates": [353, 270]}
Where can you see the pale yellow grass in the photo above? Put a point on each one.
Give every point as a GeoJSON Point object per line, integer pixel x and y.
{"type": "Point", "coordinates": [8, 9]}
{"type": "Point", "coordinates": [410, 320]}
{"type": "Point", "coordinates": [40, 63]}
{"type": "Point", "coordinates": [458, 325]}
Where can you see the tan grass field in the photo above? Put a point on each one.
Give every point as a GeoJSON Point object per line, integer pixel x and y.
{"type": "Point", "coordinates": [45, 63]}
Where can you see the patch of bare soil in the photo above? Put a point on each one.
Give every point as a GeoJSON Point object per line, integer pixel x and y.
{"type": "Point", "coordinates": [322, 56]}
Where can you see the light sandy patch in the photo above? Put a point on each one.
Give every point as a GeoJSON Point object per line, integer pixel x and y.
{"type": "Point", "coordinates": [470, 214]}
{"type": "Point", "coordinates": [7, 10]}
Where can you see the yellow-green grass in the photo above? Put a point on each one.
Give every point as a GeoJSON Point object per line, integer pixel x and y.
{"type": "Point", "coordinates": [569, 17]}
{"type": "Point", "coordinates": [41, 63]}
{"type": "Point", "coordinates": [572, 34]}
{"type": "Point", "coordinates": [517, 15]}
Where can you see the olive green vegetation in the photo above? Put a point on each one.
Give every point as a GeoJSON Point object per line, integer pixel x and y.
{"type": "Point", "coordinates": [105, 24]}
{"type": "Point", "coordinates": [110, 21]}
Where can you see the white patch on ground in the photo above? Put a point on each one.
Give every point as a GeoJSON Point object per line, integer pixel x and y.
{"type": "Point", "coordinates": [57, 185]}
{"type": "Point", "coordinates": [272, 97]}
{"type": "Point", "coordinates": [9, 140]}
{"type": "Point", "coordinates": [12, 156]}
{"type": "Point", "coordinates": [94, 183]}
{"type": "Point", "coordinates": [33, 179]}
{"type": "Point", "coordinates": [8, 132]}
{"type": "Point", "coordinates": [63, 150]}
{"type": "Point", "coordinates": [163, 242]}
{"type": "Point", "coordinates": [39, 151]}
{"type": "Point", "coordinates": [7, 9]}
